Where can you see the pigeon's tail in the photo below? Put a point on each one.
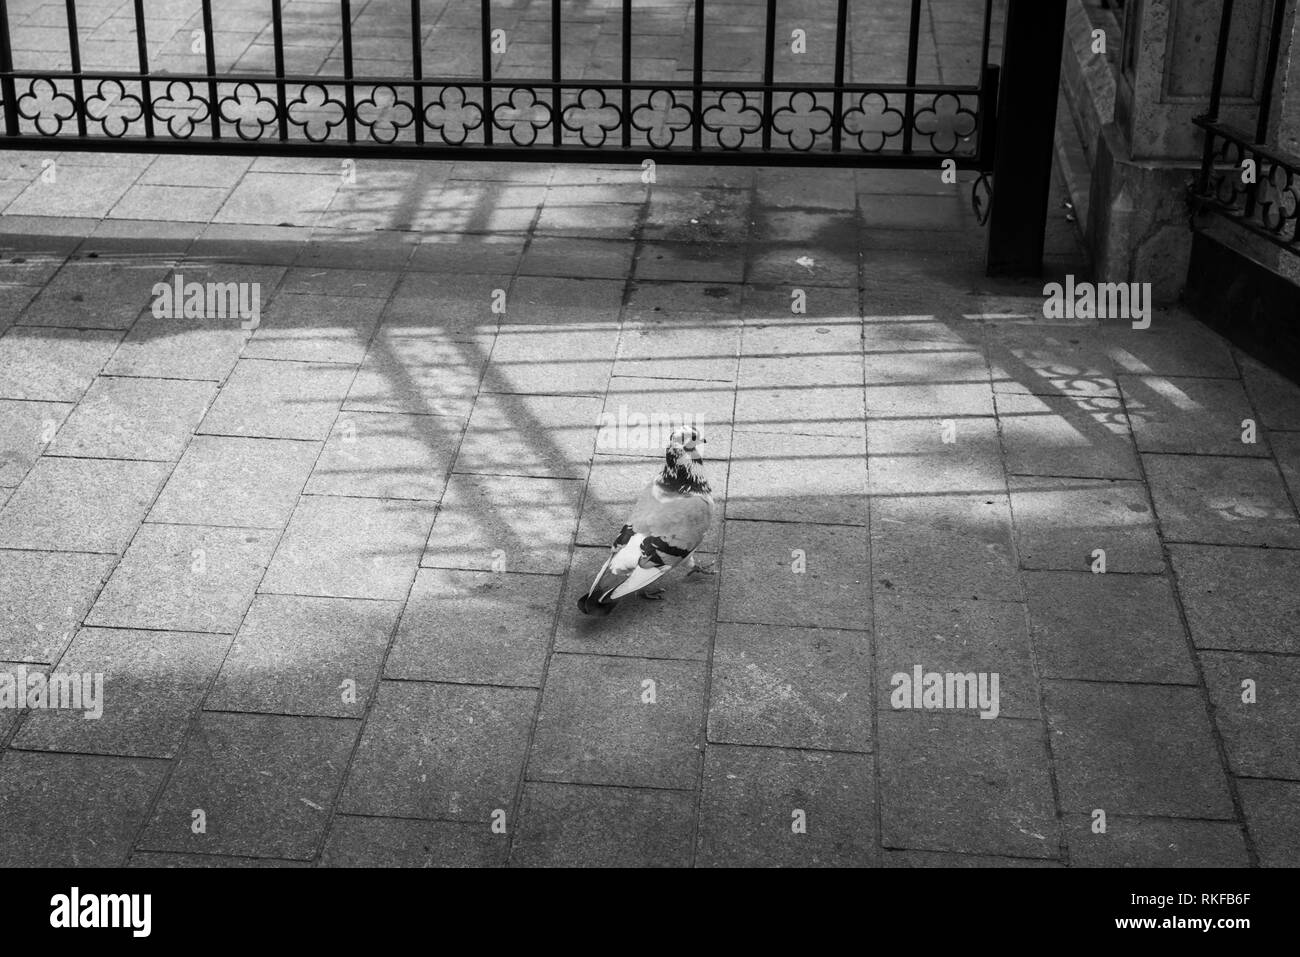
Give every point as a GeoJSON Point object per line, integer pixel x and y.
{"type": "Point", "coordinates": [588, 604]}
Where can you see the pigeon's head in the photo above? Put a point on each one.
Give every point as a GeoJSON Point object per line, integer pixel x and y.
{"type": "Point", "coordinates": [682, 444]}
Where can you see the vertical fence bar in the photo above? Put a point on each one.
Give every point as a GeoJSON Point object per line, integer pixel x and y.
{"type": "Point", "coordinates": [7, 89]}
{"type": "Point", "coordinates": [1031, 75]}
{"type": "Point", "coordinates": [697, 93]}
{"type": "Point", "coordinates": [349, 95]}
{"type": "Point", "coordinates": [988, 95]}
{"type": "Point", "coordinates": [986, 36]}
{"type": "Point", "coordinates": [1216, 95]}
{"type": "Point", "coordinates": [841, 40]}
{"type": "Point", "coordinates": [417, 70]}
{"type": "Point", "coordinates": [210, 58]}
{"type": "Point", "coordinates": [627, 73]}
{"type": "Point", "coordinates": [1270, 71]}
{"type": "Point", "coordinates": [485, 18]}
{"type": "Point", "coordinates": [281, 97]}
{"type": "Point", "coordinates": [913, 51]}
{"type": "Point", "coordinates": [769, 72]}
{"type": "Point", "coordinates": [1220, 60]}
{"type": "Point", "coordinates": [556, 106]}
{"type": "Point", "coordinates": [74, 53]}
{"type": "Point", "coordinates": [142, 55]}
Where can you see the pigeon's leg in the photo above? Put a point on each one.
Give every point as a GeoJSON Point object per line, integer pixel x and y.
{"type": "Point", "coordinates": [695, 568]}
{"type": "Point", "coordinates": [655, 595]}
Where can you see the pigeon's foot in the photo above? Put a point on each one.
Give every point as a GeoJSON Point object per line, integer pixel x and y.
{"type": "Point", "coordinates": [656, 595]}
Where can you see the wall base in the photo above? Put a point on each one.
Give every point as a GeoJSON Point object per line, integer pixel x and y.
{"type": "Point", "coordinates": [1246, 302]}
{"type": "Point", "coordinates": [1138, 224]}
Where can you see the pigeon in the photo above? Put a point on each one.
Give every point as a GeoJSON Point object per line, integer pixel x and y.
{"type": "Point", "coordinates": [667, 524]}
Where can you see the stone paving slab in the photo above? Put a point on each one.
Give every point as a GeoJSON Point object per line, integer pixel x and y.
{"type": "Point", "coordinates": [440, 751]}
{"type": "Point", "coordinates": [1257, 720]}
{"type": "Point", "coordinates": [1197, 416]}
{"type": "Point", "coordinates": [153, 682]}
{"type": "Point", "coordinates": [1155, 842]}
{"type": "Point", "coordinates": [1060, 523]}
{"type": "Point", "coordinates": [305, 656]}
{"type": "Point", "coordinates": [127, 418]}
{"type": "Point", "coordinates": [185, 578]}
{"type": "Point", "coordinates": [915, 457]}
{"type": "Point", "coordinates": [761, 692]}
{"type": "Point", "coordinates": [32, 628]}
{"type": "Point", "coordinates": [278, 400]}
{"type": "Point", "coordinates": [357, 841]}
{"type": "Point", "coordinates": [1272, 814]}
{"type": "Point", "coordinates": [1081, 437]}
{"type": "Point", "coordinates": [631, 722]}
{"type": "Point", "coordinates": [952, 784]}
{"type": "Point", "coordinates": [772, 807]}
{"type": "Point", "coordinates": [1033, 358]}
{"type": "Point", "coordinates": [52, 366]}
{"type": "Point", "coordinates": [91, 505]}
{"type": "Point", "coordinates": [506, 523]}
{"type": "Point", "coordinates": [951, 635]}
{"type": "Point", "coordinates": [247, 483]}
{"type": "Point", "coordinates": [1106, 627]}
{"type": "Point", "coordinates": [25, 430]}
{"type": "Point", "coordinates": [1239, 599]}
{"type": "Point", "coordinates": [264, 784]}
{"type": "Point", "coordinates": [349, 548]}
{"type": "Point", "coordinates": [1275, 398]}
{"type": "Point", "coordinates": [1222, 501]}
{"type": "Point", "coordinates": [762, 486]}
{"type": "Point", "coordinates": [567, 825]}
{"type": "Point", "coordinates": [1112, 751]}
{"type": "Point", "coordinates": [73, 810]}
{"type": "Point", "coordinates": [315, 328]}
{"type": "Point", "coordinates": [778, 572]}
{"type": "Point", "coordinates": [475, 628]}
{"type": "Point", "coordinates": [957, 546]}
{"type": "Point", "coordinates": [501, 438]}
{"type": "Point", "coordinates": [386, 455]}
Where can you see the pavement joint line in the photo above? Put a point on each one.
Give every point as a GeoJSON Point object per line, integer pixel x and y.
{"type": "Point", "coordinates": [1035, 664]}
{"type": "Point", "coordinates": [1216, 734]}
{"type": "Point", "coordinates": [461, 684]}
{"type": "Point", "coordinates": [611, 786]}
{"type": "Point", "coordinates": [517, 807]}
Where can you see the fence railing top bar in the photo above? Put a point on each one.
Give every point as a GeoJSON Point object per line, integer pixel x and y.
{"type": "Point", "coordinates": [1237, 135]}
{"type": "Point", "coordinates": [594, 83]}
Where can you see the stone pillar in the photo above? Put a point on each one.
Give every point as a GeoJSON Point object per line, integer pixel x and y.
{"type": "Point", "coordinates": [1150, 153]}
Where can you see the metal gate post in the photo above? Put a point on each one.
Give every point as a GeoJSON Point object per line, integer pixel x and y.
{"type": "Point", "coordinates": [1022, 174]}
{"type": "Point", "coordinates": [6, 81]}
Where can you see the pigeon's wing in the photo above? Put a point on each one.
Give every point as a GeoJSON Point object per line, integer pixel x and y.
{"type": "Point", "coordinates": [664, 528]}
{"type": "Point", "coordinates": [677, 523]}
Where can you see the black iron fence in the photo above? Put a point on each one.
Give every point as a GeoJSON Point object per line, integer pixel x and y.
{"type": "Point", "coordinates": [1243, 178]}
{"type": "Point", "coordinates": [420, 113]}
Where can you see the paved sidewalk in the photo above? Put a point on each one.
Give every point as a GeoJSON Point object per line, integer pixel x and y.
{"type": "Point", "coordinates": [329, 565]}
